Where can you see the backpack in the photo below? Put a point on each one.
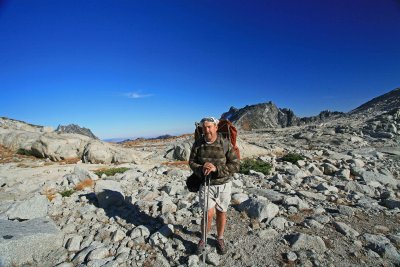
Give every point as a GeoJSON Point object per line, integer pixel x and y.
{"type": "Point", "coordinates": [226, 130]}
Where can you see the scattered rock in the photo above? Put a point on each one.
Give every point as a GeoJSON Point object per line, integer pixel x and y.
{"type": "Point", "coordinates": [291, 256]}
{"type": "Point", "coordinates": [345, 229]}
{"type": "Point", "coordinates": [213, 259]}
{"type": "Point", "coordinates": [297, 202]}
{"type": "Point", "coordinates": [98, 253]}
{"type": "Point", "coordinates": [268, 234]}
{"type": "Point", "coordinates": [347, 178]}
{"type": "Point", "coordinates": [259, 208]}
{"type": "Point", "coordinates": [369, 177]}
{"type": "Point", "coordinates": [301, 241]}
{"type": "Point", "coordinates": [383, 247]}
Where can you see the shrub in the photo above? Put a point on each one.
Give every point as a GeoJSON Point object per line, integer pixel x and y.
{"type": "Point", "coordinates": [85, 183]}
{"type": "Point", "coordinates": [24, 152]}
{"type": "Point", "coordinates": [70, 161]}
{"type": "Point", "coordinates": [67, 193]}
{"type": "Point", "coordinates": [50, 193]}
{"type": "Point", "coordinates": [292, 157]}
{"type": "Point", "coordinates": [255, 165]}
{"type": "Point", "coordinates": [111, 171]}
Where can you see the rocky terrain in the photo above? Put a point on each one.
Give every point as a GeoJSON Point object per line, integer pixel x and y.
{"type": "Point", "coordinates": [337, 206]}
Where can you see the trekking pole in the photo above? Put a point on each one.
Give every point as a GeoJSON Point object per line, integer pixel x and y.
{"type": "Point", "coordinates": [205, 214]}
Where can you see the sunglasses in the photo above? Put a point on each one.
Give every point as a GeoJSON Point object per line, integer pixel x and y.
{"type": "Point", "coordinates": [209, 119]}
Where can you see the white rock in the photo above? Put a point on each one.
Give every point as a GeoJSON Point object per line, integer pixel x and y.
{"type": "Point", "coordinates": [193, 261]}
{"type": "Point", "coordinates": [213, 259]}
{"type": "Point", "coordinates": [259, 208]}
{"type": "Point", "coordinates": [34, 207]}
{"type": "Point", "coordinates": [306, 242]}
{"type": "Point", "coordinates": [279, 223]}
{"type": "Point", "coordinates": [329, 169]}
{"type": "Point", "coordinates": [239, 198]}
{"type": "Point", "coordinates": [291, 256]}
{"type": "Point", "coordinates": [356, 162]}
{"type": "Point", "coordinates": [118, 236]}
{"type": "Point", "coordinates": [267, 234]}
{"type": "Point", "coordinates": [74, 243]}
{"type": "Point", "coordinates": [98, 253]}
{"type": "Point", "coordinates": [297, 202]}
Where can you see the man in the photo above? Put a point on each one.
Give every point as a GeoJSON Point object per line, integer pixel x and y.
{"type": "Point", "coordinates": [208, 157]}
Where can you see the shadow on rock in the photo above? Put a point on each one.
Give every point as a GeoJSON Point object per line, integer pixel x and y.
{"type": "Point", "coordinates": [117, 206]}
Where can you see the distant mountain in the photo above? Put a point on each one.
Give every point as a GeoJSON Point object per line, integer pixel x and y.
{"type": "Point", "coordinates": [322, 116]}
{"type": "Point", "coordinates": [268, 115]}
{"type": "Point", "coordinates": [264, 115]}
{"type": "Point", "coordinates": [115, 140]}
{"type": "Point", "coordinates": [75, 129]}
{"type": "Point", "coordinates": [385, 102]}
{"type": "Point", "coordinates": [161, 137]}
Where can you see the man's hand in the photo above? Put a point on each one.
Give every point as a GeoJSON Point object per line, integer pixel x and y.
{"type": "Point", "coordinates": [208, 168]}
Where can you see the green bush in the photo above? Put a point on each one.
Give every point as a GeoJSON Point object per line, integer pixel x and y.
{"type": "Point", "coordinates": [255, 165]}
{"type": "Point", "coordinates": [25, 152]}
{"type": "Point", "coordinates": [67, 193]}
{"type": "Point", "coordinates": [111, 171]}
{"type": "Point", "coordinates": [292, 157]}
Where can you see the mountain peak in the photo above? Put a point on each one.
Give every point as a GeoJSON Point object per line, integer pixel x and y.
{"type": "Point", "coordinates": [263, 115]}
{"type": "Point", "coordinates": [76, 129]}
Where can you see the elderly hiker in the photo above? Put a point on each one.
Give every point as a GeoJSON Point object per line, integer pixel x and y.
{"type": "Point", "coordinates": [213, 155]}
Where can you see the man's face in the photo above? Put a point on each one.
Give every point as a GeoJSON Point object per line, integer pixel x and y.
{"type": "Point", "coordinates": [210, 131]}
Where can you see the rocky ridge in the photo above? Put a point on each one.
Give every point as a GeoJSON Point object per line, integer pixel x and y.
{"type": "Point", "coordinates": [75, 129]}
{"type": "Point", "coordinates": [43, 142]}
{"type": "Point", "coordinates": [385, 102]}
{"type": "Point", "coordinates": [268, 115]}
{"type": "Point", "coordinates": [7, 123]}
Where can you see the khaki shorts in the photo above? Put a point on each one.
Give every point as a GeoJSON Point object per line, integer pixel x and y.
{"type": "Point", "coordinates": [220, 196]}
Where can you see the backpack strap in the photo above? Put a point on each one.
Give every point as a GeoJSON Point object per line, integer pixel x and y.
{"type": "Point", "coordinates": [225, 145]}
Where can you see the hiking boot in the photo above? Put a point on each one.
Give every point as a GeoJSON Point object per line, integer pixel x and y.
{"type": "Point", "coordinates": [200, 247]}
{"type": "Point", "coordinates": [221, 249]}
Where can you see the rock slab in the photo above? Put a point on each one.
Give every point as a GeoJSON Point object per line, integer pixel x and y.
{"type": "Point", "coordinates": [26, 242]}
{"type": "Point", "coordinates": [35, 207]}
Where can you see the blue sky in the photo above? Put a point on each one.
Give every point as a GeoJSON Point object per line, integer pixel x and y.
{"type": "Point", "coordinates": [145, 68]}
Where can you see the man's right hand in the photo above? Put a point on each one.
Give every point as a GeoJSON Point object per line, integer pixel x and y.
{"type": "Point", "coordinates": [208, 168]}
